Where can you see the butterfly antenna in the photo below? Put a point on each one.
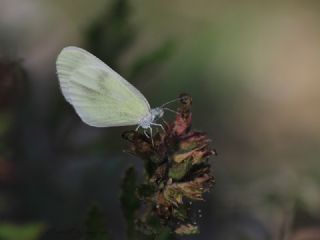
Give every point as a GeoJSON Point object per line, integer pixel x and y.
{"type": "Point", "coordinates": [170, 110]}
{"type": "Point", "coordinates": [174, 100]}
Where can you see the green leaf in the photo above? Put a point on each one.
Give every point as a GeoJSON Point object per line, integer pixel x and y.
{"type": "Point", "coordinates": [95, 225]}
{"type": "Point", "coordinates": [145, 191]}
{"type": "Point", "coordinates": [181, 213]}
{"type": "Point", "coordinates": [156, 230]}
{"type": "Point", "coordinates": [129, 201]}
{"type": "Point", "coordinates": [179, 170]}
{"type": "Point", "coordinates": [31, 231]}
{"type": "Point", "coordinates": [164, 234]}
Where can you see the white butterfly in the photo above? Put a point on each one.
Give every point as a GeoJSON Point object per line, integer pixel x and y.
{"type": "Point", "coordinates": [100, 96]}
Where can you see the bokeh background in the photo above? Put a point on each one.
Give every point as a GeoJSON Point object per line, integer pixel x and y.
{"type": "Point", "coordinates": [252, 68]}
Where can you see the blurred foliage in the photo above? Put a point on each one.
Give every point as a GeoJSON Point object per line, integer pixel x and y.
{"type": "Point", "coordinates": [129, 201]}
{"type": "Point", "coordinates": [13, 92]}
{"type": "Point", "coordinates": [113, 33]}
{"type": "Point", "coordinates": [31, 231]}
{"type": "Point", "coordinates": [12, 84]}
{"type": "Point", "coordinates": [150, 61]}
{"type": "Point", "coordinates": [96, 225]}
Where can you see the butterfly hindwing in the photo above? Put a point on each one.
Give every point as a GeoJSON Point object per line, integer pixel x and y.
{"type": "Point", "coordinates": [100, 96]}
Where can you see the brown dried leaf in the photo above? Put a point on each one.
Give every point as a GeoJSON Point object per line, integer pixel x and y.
{"type": "Point", "coordinates": [197, 155]}
{"type": "Point", "coordinates": [187, 229]}
{"type": "Point", "coordinates": [192, 140]}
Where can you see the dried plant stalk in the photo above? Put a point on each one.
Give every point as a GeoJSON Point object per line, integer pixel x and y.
{"type": "Point", "coordinates": [177, 172]}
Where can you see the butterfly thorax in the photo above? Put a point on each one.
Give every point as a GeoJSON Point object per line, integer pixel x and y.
{"type": "Point", "coordinates": [151, 118]}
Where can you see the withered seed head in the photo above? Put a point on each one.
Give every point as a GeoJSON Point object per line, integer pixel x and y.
{"type": "Point", "coordinates": [177, 169]}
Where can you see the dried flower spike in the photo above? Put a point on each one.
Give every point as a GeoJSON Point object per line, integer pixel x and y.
{"type": "Point", "coordinates": [177, 171]}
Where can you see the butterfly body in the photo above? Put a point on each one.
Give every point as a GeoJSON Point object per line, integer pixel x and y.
{"type": "Point", "coordinates": [150, 119]}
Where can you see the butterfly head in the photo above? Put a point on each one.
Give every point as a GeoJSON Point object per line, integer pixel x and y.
{"type": "Point", "coordinates": [157, 113]}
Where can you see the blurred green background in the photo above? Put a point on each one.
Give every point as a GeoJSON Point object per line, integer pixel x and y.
{"type": "Point", "coordinates": [252, 68]}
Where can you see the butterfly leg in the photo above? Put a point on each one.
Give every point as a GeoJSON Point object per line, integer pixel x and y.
{"type": "Point", "coordinates": [137, 128]}
{"type": "Point", "coordinates": [150, 128]}
{"type": "Point", "coordinates": [159, 125]}
{"type": "Point", "coordinates": [165, 122]}
{"type": "Point", "coordinates": [146, 134]}
{"type": "Point", "coordinates": [170, 110]}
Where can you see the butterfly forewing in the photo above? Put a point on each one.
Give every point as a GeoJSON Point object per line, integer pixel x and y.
{"type": "Point", "coordinates": [100, 96]}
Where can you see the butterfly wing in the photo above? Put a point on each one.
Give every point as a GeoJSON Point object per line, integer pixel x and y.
{"type": "Point", "coordinates": [100, 96]}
